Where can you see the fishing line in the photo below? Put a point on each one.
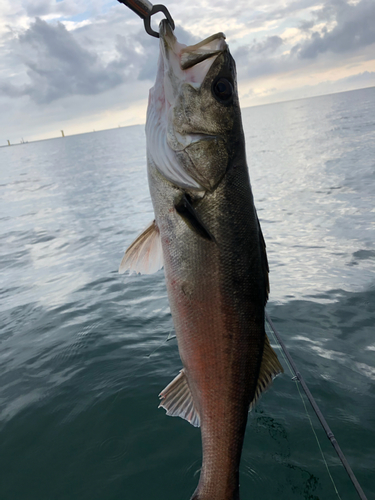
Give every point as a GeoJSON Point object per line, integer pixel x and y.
{"type": "Point", "coordinates": [298, 378]}
{"type": "Point", "coordinates": [170, 337]}
{"type": "Point", "coordinates": [317, 439]}
{"type": "Point", "coordinates": [294, 378]}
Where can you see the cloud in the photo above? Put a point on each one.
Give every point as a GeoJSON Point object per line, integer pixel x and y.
{"type": "Point", "coordinates": [97, 63]}
{"type": "Point", "coordinates": [269, 45]}
{"type": "Point", "coordinates": [57, 65]}
{"type": "Point", "coordinates": [39, 8]}
{"type": "Point", "coordinates": [261, 15]}
{"type": "Point", "coordinates": [354, 29]}
{"type": "Point", "coordinates": [260, 58]}
{"type": "Point", "coordinates": [353, 82]}
{"type": "Point", "coordinates": [365, 79]}
{"type": "Point", "coordinates": [336, 28]}
{"type": "Point", "coordinates": [306, 25]}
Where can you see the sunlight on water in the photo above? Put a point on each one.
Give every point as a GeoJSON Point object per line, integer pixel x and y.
{"type": "Point", "coordinates": [84, 352]}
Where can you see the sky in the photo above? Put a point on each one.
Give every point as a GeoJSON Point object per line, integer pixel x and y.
{"type": "Point", "coordinates": [80, 65]}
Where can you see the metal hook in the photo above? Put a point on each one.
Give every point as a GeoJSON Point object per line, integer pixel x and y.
{"type": "Point", "coordinates": [155, 9]}
{"type": "Point", "coordinates": [144, 9]}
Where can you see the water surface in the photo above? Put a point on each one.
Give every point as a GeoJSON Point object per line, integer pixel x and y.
{"type": "Point", "coordinates": [84, 351]}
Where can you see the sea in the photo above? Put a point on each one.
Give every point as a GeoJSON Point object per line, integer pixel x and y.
{"type": "Point", "coordinates": [85, 351]}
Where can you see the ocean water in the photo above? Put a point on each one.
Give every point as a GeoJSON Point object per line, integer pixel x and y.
{"type": "Point", "coordinates": [85, 351]}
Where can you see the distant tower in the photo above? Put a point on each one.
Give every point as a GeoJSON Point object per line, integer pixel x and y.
{"type": "Point", "coordinates": [8, 142]}
{"type": "Point", "coordinates": [62, 133]}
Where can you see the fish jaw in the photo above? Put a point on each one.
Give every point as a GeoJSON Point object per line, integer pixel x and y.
{"type": "Point", "coordinates": [175, 146]}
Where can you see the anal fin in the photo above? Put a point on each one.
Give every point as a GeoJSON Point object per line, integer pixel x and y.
{"type": "Point", "coordinates": [145, 254]}
{"type": "Point", "coordinates": [178, 400]}
{"type": "Point", "coordinates": [270, 367]}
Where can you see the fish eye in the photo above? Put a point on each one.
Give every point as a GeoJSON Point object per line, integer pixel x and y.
{"type": "Point", "coordinates": [222, 89]}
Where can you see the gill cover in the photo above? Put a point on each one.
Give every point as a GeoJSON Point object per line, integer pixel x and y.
{"type": "Point", "coordinates": [190, 113]}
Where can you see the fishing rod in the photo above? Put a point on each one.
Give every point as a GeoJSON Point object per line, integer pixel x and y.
{"type": "Point", "coordinates": [144, 9]}
{"type": "Point", "coordinates": [319, 414]}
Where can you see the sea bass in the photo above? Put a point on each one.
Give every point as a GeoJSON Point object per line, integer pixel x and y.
{"type": "Point", "coordinates": [206, 234]}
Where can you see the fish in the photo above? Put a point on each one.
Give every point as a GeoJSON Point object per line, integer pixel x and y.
{"type": "Point", "coordinates": [207, 236]}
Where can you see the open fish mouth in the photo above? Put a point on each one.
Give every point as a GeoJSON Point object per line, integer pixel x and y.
{"type": "Point", "coordinates": [190, 63]}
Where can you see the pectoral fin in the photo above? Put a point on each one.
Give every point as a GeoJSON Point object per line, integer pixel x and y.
{"type": "Point", "coordinates": [145, 254]}
{"type": "Point", "coordinates": [190, 216]}
{"type": "Point", "coordinates": [178, 400]}
{"type": "Point", "coordinates": [270, 367]}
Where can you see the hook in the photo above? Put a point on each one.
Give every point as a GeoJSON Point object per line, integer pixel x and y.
{"type": "Point", "coordinates": [144, 9]}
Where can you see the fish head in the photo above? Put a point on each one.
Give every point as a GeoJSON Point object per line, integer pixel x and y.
{"type": "Point", "coordinates": [192, 112]}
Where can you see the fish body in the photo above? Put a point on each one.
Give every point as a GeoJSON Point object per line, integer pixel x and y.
{"type": "Point", "coordinates": [207, 235]}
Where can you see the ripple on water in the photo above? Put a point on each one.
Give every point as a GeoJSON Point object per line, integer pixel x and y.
{"type": "Point", "coordinates": [84, 351]}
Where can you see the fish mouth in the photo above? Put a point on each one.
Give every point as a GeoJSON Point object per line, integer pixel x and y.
{"type": "Point", "coordinates": [190, 63]}
{"type": "Point", "coordinates": [210, 47]}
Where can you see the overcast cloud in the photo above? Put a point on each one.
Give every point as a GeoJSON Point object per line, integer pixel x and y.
{"type": "Point", "coordinates": [57, 65]}
{"type": "Point", "coordinates": [355, 29]}
{"type": "Point", "coordinates": [84, 65]}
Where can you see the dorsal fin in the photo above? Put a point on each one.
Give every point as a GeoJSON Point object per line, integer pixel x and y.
{"type": "Point", "coordinates": [270, 367]}
{"type": "Point", "coordinates": [145, 254]}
